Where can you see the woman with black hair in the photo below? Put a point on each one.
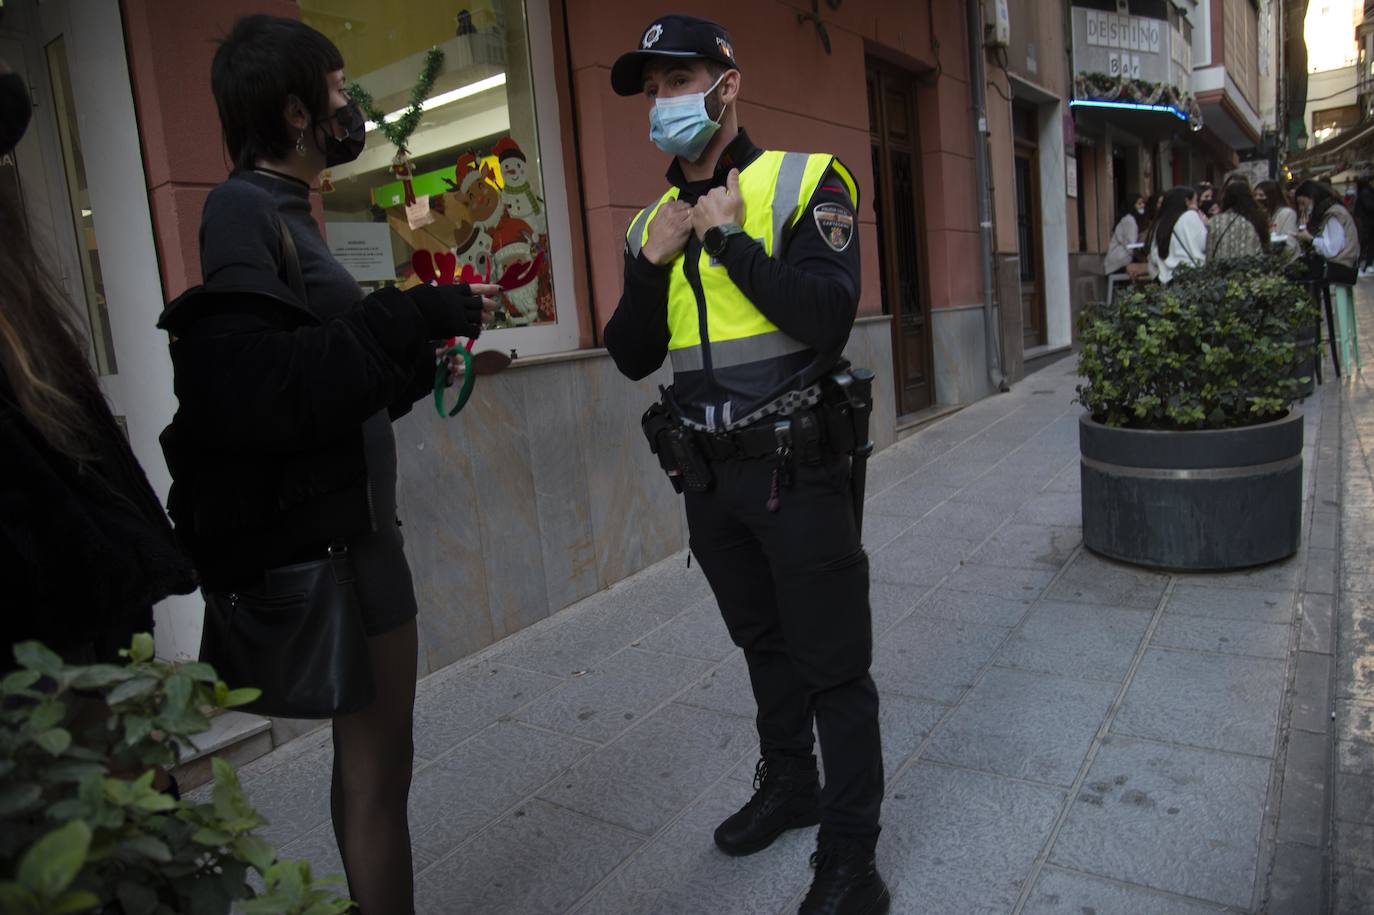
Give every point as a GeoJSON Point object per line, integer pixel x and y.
{"type": "Point", "coordinates": [1333, 236]}
{"type": "Point", "coordinates": [1240, 229]}
{"type": "Point", "coordinates": [1178, 237]}
{"type": "Point", "coordinates": [1283, 219]}
{"type": "Point", "coordinates": [282, 451]}
{"type": "Point", "coordinates": [1125, 237]}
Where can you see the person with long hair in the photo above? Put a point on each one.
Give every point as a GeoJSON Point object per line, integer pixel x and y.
{"type": "Point", "coordinates": [1283, 219]}
{"type": "Point", "coordinates": [1125, 237]}
{"type": "Point", "coordinates": [85, 549]}
{"type": "Point", "coordinates": [1178, 237]}
{"type": "Point", "coordinates": [288, 378]}
{"type": "Point", "coordinates": [1240, 229]}
{"type": "Point", "coordinates": [1333, 236]}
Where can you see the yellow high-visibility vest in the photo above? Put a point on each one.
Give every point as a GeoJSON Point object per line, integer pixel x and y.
{"type": "Point", "coordinates": [747, 355]}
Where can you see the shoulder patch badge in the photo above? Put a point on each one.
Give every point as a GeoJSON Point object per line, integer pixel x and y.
{"type": "Point", "coordinates": [836, 225]}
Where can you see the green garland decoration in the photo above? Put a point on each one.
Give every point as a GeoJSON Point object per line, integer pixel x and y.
{"type": "Point", "coordinates": [398, 131]}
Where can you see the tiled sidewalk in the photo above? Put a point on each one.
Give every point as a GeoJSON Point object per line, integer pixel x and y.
{"type": "Point", "coordinates": [1060, 732]}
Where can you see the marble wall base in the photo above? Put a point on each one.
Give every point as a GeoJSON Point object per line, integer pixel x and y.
{"type": "Point", "coordinates": [961, 375]}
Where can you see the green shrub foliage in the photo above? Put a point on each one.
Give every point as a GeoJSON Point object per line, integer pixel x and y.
{"type": "Point", "coordinates": [82, 829]}
{"type": "Point", "coordinates": [1215, 349]}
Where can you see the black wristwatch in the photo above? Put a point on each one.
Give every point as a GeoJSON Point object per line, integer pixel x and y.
{"type": "Point", "coordinates": [716, 238]}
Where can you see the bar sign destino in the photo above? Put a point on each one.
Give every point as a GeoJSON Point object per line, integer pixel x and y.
{"type": "Point", "coordinates": [1130, 33]}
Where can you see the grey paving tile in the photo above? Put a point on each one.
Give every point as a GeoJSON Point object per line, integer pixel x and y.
{"type": "Point", "coordinates": [1232, 603]}
{"type": "Point", "coordinates": [1010, 490]}
{"type": "Point", "coordinates": [1306, 780]}
{"type": "Point", "coordinates": [643, 779]}
{"type": "Point", "coordinates": [1068, 480]}
{"type": "Point", "coordinates": [1025, 725]}
{"type": "Point", "coordinates": [880, 530]}
{"type": "Point", "coordinates": [1353, 845]}
{"type": "Point", "coordinates": [1059, 509]}
{"type": "Point", "coordinates": [961, 841]}
{"type": "Point", "coordinates": [1076, 640]}
{"type": "Point", "coordinates": [1354, 890]}
{"type": "Point", "coordinates": [455, 704]}
{"type": "Point", "coordinates": [1215, 701]}
{"type": "Point", "coordinates": [1355, 731]}
{"type": "Point", "coordinates": [918, 559]}
{"type": "Point", "coordinates": [1312, 693]}
{"type": "Point", "coordinates": [697, 632]}
{"type": "Point", "coordinates": [1325, 526]}
{"type": "Point", "coordinates": [1030, 546]}
{"type": "Point", "coordinates": [1172, 818]}
{"type": "Point", "coordinates": [905, 722]}
{"type": "Point", "coordinates": [472, 785]}
{"type": "Point", "coordinates": [294, 798]}
{"type": "Point", "coordinates": [725, 689]}
{"type": "Point", "coordinates": [1354, 801]}
{"type": "Point", "coordinates": [1093, 580]}
{"type": "Point", "coordinates": [1060, 892]}
{"type": "Point", "coordinates": [955, 470]}
{"type": "Point", "coordinates": [890, 603]}
{"type": "Point", "coordinates": [968, 607]}
{"type": "Point", "coordinates": [912, 497]}
{"type": "Point", "coordinates": [1263, 640]}
{"type": "Point", "coordinates": [537, 859]}
{"type": "Point", "coordinates": [1318, 613]}
{"type": "Point", "coordinates": [933, 659]}
{"type": "Point", "coordinates": [1299, 882]}
{"type": "Point", "coordinates": [1012, 584]}
{"type": "Point", "coordinates": [682, 873]}
{"type": "Point", "coordinates": [962, 521]}
{"type": "Point", "coordinates": [613, 695]}
{"type": "Point", "coordinates": [1320, 575]}
{"type": "Point", "coordinates": [583, 636]}
{"type": "Point", "coordinates": [319, 848]}
{"type": "Point", "coordinates": [1278, 576]}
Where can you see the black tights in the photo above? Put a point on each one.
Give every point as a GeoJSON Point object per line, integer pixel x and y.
{"type": "Point", "coordinates": [373, 753]}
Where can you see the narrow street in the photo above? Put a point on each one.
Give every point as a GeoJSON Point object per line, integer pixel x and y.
{"type": "Point", "coordinates": [1061, 732]}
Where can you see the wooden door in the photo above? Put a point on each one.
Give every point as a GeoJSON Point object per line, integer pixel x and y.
{"type": "Point", "coordinates": [896, 149]}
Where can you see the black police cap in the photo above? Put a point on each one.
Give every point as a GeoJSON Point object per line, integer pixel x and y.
{"type": "Point", "coordinates": [672, 36]}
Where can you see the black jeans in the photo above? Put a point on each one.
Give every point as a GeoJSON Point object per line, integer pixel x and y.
{"type": "Point", "coordinates": [793, 589]}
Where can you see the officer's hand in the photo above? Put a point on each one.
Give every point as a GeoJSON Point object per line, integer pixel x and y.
{"type": "Point", "coordinates": [668, 232]}
{"type": "Point", "coordinates": [722, 205]}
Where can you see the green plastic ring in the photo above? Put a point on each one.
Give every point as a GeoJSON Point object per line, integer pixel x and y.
{"type": "Point", "coordinates": [441, 381]}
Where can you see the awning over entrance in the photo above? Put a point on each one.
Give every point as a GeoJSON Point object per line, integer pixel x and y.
{"type": "Point", "coordinates": [1341, 151]}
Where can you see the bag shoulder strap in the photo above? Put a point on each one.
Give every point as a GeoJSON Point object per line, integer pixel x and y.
{"type": "Point", "coordinates": [289, 262]}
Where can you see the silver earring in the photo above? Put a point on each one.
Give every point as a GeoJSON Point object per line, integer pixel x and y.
{"type": "Point", "coordinates": [300, 143]}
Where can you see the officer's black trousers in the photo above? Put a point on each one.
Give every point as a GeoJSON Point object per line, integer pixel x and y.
{"type": "Point", "coordinates": [793, 588]}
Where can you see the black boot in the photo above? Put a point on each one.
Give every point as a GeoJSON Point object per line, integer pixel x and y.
{"type": "Point", "coordinates": [787, 795]}
{"type": "Point", "coordinates": [847, 881]}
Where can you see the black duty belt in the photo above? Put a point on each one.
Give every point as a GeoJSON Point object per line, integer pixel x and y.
{"type": "Point", "coordinates": [757, 441]}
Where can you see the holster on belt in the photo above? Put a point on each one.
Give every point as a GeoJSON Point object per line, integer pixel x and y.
{"type": "Point", "coordinates": [676, 449]}
{"type": "Point", "coordinates": [846, 408]}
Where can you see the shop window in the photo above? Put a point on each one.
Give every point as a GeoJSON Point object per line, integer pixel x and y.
{"type": "Point", "coordinates": [474, 196]}
{"type": "Point", "coordinates": [83, 219]}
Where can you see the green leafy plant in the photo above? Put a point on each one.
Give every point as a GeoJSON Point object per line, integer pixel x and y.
{"type": "Point", "coordinates": [82, 827]}
{"type": "Point", "coordinates": [1215, 349]}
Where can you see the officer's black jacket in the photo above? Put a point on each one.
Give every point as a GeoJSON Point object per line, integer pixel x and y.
{"type": "Point", "coordinates": [811, 293]}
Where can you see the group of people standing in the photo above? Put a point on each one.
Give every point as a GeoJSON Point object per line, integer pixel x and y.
{"type": "Point", "coordinates": [1192, 226]}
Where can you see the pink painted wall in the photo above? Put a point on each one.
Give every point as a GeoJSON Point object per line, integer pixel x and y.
{"type": "Point", "coordinates": [170, 44]}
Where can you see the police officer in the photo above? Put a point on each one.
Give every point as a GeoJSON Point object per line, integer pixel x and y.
{"type": "Point", "coordinates": [745, 273]}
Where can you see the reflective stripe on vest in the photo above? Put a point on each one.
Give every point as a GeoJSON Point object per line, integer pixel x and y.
{"type": "Point", "coordinates": [776, 187]}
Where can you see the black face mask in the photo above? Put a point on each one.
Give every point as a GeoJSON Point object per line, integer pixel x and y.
{"type": "Point", "coordinates": [15, 110]}
{"type": "Point", "coordinates": [340, 152]}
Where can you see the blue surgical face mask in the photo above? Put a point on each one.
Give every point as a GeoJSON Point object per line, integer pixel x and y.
{"type": "Point", "coordinates": [680, 125]}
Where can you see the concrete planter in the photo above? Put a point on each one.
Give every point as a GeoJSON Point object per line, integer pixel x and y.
{"type": "Point", "coordinates": [1192, 500]}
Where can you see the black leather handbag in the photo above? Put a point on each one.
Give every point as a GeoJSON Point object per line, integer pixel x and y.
{"type": "Point", "coordinates": [298, 637]}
